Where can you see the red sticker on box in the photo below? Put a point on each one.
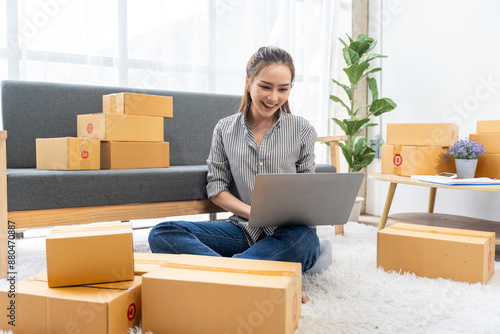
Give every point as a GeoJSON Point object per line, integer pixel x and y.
{"type": "Point", "coordinates": [90, 128]}
{"type": "Point", "coordinates": [397, 160]}
{"type": "Point", "coordinates": [131, 312]}
{"type": "Point", "coordinates": [85, 154]}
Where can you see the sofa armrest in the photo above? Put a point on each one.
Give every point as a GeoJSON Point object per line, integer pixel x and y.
{"type": "Point", "coordinates": [334, 149]}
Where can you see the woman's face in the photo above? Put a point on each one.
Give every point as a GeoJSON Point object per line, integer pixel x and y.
{"type": "Point", "coordinates": [269, 89]}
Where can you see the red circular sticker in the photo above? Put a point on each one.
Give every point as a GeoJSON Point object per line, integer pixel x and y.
{"type": "Point", "coordinates": [295, 306]}
{"type": "Point", "coordinates": [489, 261]}
{"type": "Point", "coordinates": [85, 154]}
{"type": "Point", "coordinates": [397, 160]}
{"type": "Point", "coordinates": [131, 312]}
{"type": "Point", "coordinates": [90, 128]}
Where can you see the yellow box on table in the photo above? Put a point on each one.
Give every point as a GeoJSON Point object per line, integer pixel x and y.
{"type": "Point", "coordinates": [415, 160]}
{"type": "Point", "coordinates": [201, 294]}
{"type": "Point", "coordinates": [67, 153]}
{"type": "Point", "coordinates": [488, 126]}
{"type": "Point", "coordinates": [422, 134]}
{"type": "Point", "coordinates": [98, 308]}
{"type": "Point", "coordinates": [488, 165]}
{"type": "Point", "coordinates": [87, 254]}
{"type": "Point", "coordinates": [429, 251]}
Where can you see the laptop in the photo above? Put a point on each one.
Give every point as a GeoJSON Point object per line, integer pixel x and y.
{"type": "Point", "coordinates": [303, 199]}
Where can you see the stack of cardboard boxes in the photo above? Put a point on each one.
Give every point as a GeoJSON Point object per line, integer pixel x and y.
{"type": "Point", "coordinates": [418, 148]}
{"type": "Point", "coordinates": [431, 251]}
{"type": "Point", "coordinates": [129, 133]}
{"type": "Point", "coordinates": [89, 286]}
{"type": "Point", "coordinates": [95, 284]}
{"type": "Point", "coordinates": [488, 134]}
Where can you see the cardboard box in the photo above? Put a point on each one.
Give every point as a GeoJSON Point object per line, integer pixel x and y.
{"type": "Point", "coordinates": [415, 160]}
{"type": "Point", "coordinates": [224, 295]}
{"type": "Point", "coordinates": [488, 126]}
{"type": "Point", "coordinates": [67, 153]}
{"type": "Point", "coordinates": [429, 251]}
{"type": "Point", "coordinates": [425, 134]}
{"type": "Point", "coordinates": [146, 262]}
{"type": "Point", "coordinates": [113, 127]}
{"type": "Point", "coordinates": [86, 254]}
{"type": "Point", "coordinates": [491, 141]}
{"type": "Point", "coordinates": [122, 155]}
{"type": "Point", "coordinates": [138, 104]}
{"type": "Point", "coordinates": [488, 165]}
{"type": "Point", "coordinates": [102, 308]}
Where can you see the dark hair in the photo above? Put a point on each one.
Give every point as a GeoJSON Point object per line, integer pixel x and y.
{"type": "Point", "coordinates": [265, 56]}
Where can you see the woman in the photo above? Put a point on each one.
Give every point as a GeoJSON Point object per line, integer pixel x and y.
{"type": "Point", "coordinates": [263, 137]}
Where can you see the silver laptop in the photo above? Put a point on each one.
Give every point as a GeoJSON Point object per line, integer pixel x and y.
{"type": "Point", "coordinates": [303, 198]}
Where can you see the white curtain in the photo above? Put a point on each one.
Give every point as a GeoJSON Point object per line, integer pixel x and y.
{"type": "Point", "coordinates": [188, 45]}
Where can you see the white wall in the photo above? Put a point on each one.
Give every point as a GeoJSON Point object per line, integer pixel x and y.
{"type": "Point", "coordinates": [443, 66]}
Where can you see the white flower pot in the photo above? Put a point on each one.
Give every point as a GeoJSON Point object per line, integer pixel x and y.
{"type": "Point", "coordinates": [466, 168]}
{"type": "Point", "coordinates": [356, 210]}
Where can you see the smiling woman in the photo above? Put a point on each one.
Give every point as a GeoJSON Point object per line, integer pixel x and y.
{"type": "Point", "coordinates": [261, 138]}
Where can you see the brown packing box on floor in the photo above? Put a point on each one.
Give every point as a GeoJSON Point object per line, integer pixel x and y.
{"type": "Point", "coordinates": [114, 127]}
{"type": "Point", "coordinates": [488, 165]}
{"type": "Point", "coordinates": [202, 294]}
{"type": "Point", "coordinates": [101, 308]}
{"type": "Point", "coordinates": [415, 160]}
{"type": "Point", "coordinates": [426, 134]}
{"type": "Point", "coordinates": [87, 254]}
{"type": "Point", "coordinates": [488, 126]}
{"type": "Point", "coordinates": [146, 262]}
{"type": "Point", "coordinates": [491, 141]}
{"type": "Point", "coordinates": [429, 251]}
{"type": "Point", "coordinates": [67, 153]}
{"type": "Point", "coordinates": [123, 155]}
{"type": "Point", "coordinates": [138, 104]}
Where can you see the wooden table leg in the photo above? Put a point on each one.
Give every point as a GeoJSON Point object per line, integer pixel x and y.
{"type": "Point", "coordinates": [387, 206]}
{"type": "Point", "coordinates": [432, 199]}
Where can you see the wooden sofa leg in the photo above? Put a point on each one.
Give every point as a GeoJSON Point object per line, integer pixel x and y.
{"type": "Point", "coordinates": [339, 229]}
{"type": "Point", "coordinates": [3, 206]}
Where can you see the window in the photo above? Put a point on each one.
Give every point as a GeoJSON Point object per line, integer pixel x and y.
{"type": "Point", "coordinates": [189, 45]}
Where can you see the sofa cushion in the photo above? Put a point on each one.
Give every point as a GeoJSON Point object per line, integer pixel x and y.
{"type": "Point", "coordinates": [32, 189]}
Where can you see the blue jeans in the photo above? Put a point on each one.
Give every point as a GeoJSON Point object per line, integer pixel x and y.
{"type": "Point", "coordinates": [223, 238]}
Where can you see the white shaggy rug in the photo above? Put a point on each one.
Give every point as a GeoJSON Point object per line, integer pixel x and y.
{"type": "Point", "coordinates": [353, 296]}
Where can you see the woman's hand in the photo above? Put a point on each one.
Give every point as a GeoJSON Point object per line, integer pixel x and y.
{"type": "Point", "coordinates": [229, 202]}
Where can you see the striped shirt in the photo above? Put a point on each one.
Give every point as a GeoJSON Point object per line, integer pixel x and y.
{"type": "Point", "coordinates": [235, 159]}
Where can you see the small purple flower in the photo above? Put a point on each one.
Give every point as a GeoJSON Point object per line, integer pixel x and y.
{"type": "Point", "coordinates": [465, 149]}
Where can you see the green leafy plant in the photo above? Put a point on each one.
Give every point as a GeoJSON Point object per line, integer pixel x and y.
{"type": "Point", "coordinates": [355, 149]}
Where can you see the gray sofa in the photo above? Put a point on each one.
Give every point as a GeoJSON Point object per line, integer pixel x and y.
{"type": "Point", "coordinates": [37, 198]}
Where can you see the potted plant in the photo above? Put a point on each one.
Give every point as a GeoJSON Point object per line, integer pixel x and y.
{"type": "Point", "coordinates": [355, 149]}
{"type": "Point", "coordinates": [466, 154]}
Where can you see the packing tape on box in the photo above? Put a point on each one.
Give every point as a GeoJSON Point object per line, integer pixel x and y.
{"type": "Point", "coordinates": [229, 270]}
{"type": "Point", "coordinates": [90, 229]}
{"type": "Point", "coordinates": [84, 154]}
{"type": "Point", "coordinates": [397, 160]}
{"type": "Point", "coordinates": [430, 230]}
{"type": "Point", "coordinates": [112, 103]}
